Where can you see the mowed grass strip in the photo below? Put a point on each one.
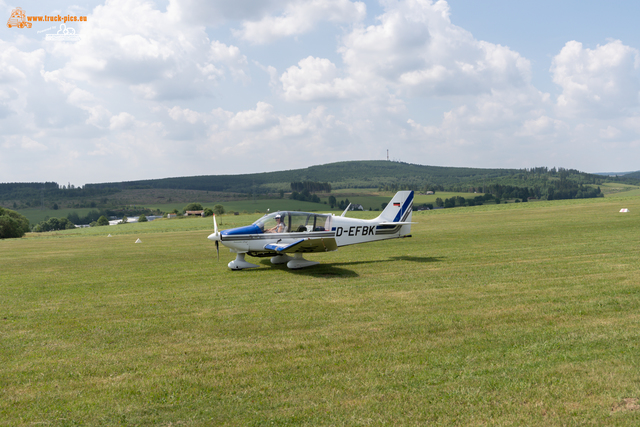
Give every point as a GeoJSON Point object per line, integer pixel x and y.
{"type": "Point", "coordinates": [522, 314]}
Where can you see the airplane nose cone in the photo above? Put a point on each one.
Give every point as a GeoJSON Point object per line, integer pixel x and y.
{"type": "Point", "coordinates": [213, 236]}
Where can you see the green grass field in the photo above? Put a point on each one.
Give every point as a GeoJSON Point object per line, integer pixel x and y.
{"type": "Point", "coordinates": [510, 315]}
{"type": "Point", "coordinates": [619, 190]}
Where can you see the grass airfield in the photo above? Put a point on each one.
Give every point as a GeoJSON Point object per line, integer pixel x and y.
{"type": "Point", "coordinates": [518, 314]}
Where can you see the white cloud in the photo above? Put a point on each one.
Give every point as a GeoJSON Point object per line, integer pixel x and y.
{"type": "Point", "coordinates": [257, 119]}
{"type": "Point", "coordinates": [424, 131]}
{"type": "Point", "coordinates": [266, 138]}
{"type": "Point", "coordinates": [490, 130]}
{"type": "Point", "coordinates": [272, 72]}
{"type": "Point", "coordinates": [122, 121]}
{"type": "Point", "coordinates": [98, 115]}
{"type": "Point", "coordinates": [29, 144]}
{"type": "Point", "coordinates": [610, 132]}
{"type": "Point", "coordinates": [23, 143]}
{"type": "Point", "coordinates": [19, 78]}
{"type": "Point", "coordinates": [416, 49]}
{"type": "Point", "coordinates": [216, 12]}
{"type": "Point", "coordinates": [601, 82]}
{"type": "Point", "coordinates": [158, 56]}
{"type": "Point", "coordinates": [229, 56]}
{"type": "Point", "coordinates": [541, 126]}
{"type": "Point", "coordinates": [500, 111]}
{"type": "Point", "coordinates": [185, 114]}
{"type": "Point", "coordinates": [317, 79]}
{"type": "Point", "coordinates": [16, 65]}
{"type": "Point", "coordinates": [299, 18]}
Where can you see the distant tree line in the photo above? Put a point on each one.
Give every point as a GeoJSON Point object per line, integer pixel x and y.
{"type": "Point", "coordinates": [556, 190]}
{"type": "Point", "coordinates": [538, 183]}
{"type": "Point", "coordinates": [34, 191]}
{"type": "Point", "coordinates": [90, 217]}
{"type": "Point", "coordinates": [305, 196]}
{"type": "Point", "coordinates": [54, 224]}
{"type": "Point", "coordinates": [461, 201]}
{"type": "Point", "coordinates": [19, 186]}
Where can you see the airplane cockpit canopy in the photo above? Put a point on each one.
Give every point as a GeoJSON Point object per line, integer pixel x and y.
{"type": "Point", "coordinates": [296, 222]}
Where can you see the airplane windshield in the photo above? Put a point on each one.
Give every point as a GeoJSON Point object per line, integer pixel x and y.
{"type": "Point", "coordinates": [294, 222]}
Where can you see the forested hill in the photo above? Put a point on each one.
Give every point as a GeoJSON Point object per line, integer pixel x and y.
{"type": "Point", "coordinates": [540, 182]}
{"type": "Point", "coordinates": [632, 175]}
{"type": "Point", "coordinates": [352, 174]}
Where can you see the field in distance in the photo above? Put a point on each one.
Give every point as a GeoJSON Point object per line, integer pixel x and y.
{"type": "Point", "coordinates": [517, 314]}
{"type": "Point", "coordinates": [369, 199]}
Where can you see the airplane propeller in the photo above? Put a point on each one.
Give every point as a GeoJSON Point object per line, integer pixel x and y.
{"type": "Point", "coordinates": [215, 230]}
{"type": "Point", "coordinates": [215, 236]}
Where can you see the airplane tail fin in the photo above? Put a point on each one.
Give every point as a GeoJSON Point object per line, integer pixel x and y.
{"type": "Point", "coordinates": [399, 209]}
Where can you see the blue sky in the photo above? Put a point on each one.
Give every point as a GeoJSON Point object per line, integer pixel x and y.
{"type": "Point", "coordinates": [147, 89]}
{"type": "Point", "coordinates": [539, 29]}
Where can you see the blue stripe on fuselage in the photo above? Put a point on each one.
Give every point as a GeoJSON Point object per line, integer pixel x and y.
{"type": "Point", "coordinates": [249, 229]}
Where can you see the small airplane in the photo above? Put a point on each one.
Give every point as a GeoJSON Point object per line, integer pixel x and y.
{"type": "Point", "coordinates": [281, 233]}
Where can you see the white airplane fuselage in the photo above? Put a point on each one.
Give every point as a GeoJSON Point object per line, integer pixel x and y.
{"type": "Point", "coordinates": [306, 232]}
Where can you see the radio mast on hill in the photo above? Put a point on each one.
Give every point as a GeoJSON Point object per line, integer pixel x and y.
{"type": "Point", "coordinates": [387, 154]}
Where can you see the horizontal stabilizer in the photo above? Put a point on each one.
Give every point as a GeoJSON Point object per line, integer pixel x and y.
{"type": "Point", "coordinates": [307, 245]}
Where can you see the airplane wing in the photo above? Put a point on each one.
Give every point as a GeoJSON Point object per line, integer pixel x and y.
{"type": "Point", "coordinates": [308, 245]}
